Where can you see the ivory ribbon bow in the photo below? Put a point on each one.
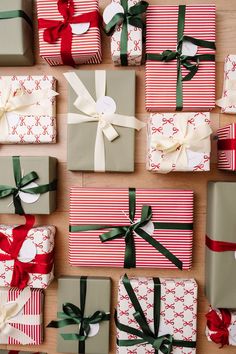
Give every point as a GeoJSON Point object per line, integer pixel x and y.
{"type": "Point", "coordinates": [86, 104]}
{"type": "Point", "coordinates": [19, 101]}
{"type": "Point", "coordinates": [11, 313]}
{"type": "Point", "coordinates": [230, 98]}
{"type": "Point", "coordinates": [175, 147]}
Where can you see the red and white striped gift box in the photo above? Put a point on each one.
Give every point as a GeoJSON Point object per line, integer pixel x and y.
{"type": "Point", "coordinates": [227, 147]}
{"type": "Point", "coordinates": [93, 206]}
{"type": "Point", "coordinates": [86, 48]}
{"type": "Point", "coordinates": [161, 77]}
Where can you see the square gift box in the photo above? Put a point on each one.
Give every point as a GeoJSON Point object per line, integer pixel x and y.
{"type": "Point", "coordinates": [162, 310]}
{"type": "Point", "coordinates": [179, 142]}
{"type": "Point", "coordinates": [180, 74]}
{"type": "Point", "coordinates": [157, 226]}
{"type": "Point", "coordinates": [226, 146]}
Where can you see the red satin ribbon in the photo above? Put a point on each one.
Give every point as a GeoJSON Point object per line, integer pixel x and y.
{"type": "Point", "coordinates": [41, 264]}
{"type": "Point", "coordinates": [219, 325]}
{"type": "Point", "coordinates": [62, 29]}
{"type": "Point", "coordinates": [227, 144]}
{"type": "Point", "coordinates": [17, 352]}
{"type": "Point", "coordinates": [220, 246]}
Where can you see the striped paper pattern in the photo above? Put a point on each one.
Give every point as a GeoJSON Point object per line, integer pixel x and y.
{"type": "Point", "coordinates": [111, 207]}
{"type": "Point", "coordinates": [227, 158]}
{"type": "Point", "coordinates": [86, 48]}
{"type": "Point", "coordinates": [198, 93]}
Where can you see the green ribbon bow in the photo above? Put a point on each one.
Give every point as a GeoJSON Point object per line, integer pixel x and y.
{"type": "Point", "coordinates": [127, 232]}
{"type": "Point", "coordinates": [163, 344]}
{"type": "Point", "coordinates": [6, 15]}
{"type": "Point", "coordinates": [131, 16]}
{"type": "Point", "coordinates": [191, 63]}
{"type": "Point", "coordinates": [21, 182]}
{"type": "Point", "coordinates": [73, 315]}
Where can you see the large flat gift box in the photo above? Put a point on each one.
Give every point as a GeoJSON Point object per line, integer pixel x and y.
{"type": "Point", "coordinates": [226, 147]}
{"type": "Point", "coordinates": [131, 228]}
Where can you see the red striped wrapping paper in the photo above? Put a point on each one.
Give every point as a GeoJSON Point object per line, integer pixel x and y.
{"type": "Point", "coordinates": [89, 206]}
{"type": "Point", "coordinates": [227, 158]}
{"type": "Point", "coordinates": [18, 352]}
{"type": "Point", "coordinates": [86, 48]}
{"type": "Point", "coordinates": [198, 93]}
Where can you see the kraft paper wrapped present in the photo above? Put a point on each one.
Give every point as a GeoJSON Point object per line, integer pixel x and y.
{"type": "Point", "coordinates": [226, 145]}
{"type": "Point", "coordinates": [180, 53]}
{"type": "Point", "coordinates": [26, 255]}
{"type": "Point", "coordinates": [78, 41]}
{"type": "Point", "coordinates": [28, 184]}
{"type": "Point", "coordinates": [101, 122]}
{"type": "Point", "coordinates": [221, 245]}
{"type": "Point", "coordinates": [156, 315]}
{"type": "Point", "coordinates": [85, 303]}
{"type": "Point", "coordinates": [179, 142]}
{"type": "Point", "coordinates": [22, 313]}
{"type": "Point", "coordinates": [16, 31]}
{"type": "Point", "coordinates": [151, 228]}
{"type": "Point", "coordinates": [28, 109]}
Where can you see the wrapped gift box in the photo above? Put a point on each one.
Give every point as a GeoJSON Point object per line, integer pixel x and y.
{"type": "Point", "coordinates": [34, 118]}
{"type": "Point", "coordinates": [85, 41]}
{"type": "Point", "coordinates": [177, 316]}
{"type": "Point", "coordinates": [179, 142]}
{"type": "Point", "coordinates": [94, 212]}
{"type": "Point", "coordinates": [44, 167]}
{"type": "Point", "coordinates": [16, 33]}
{"type": "Point", "coordinates": [161, 76]}
{"type": "Point", "coordinates": [22, 323]}
{"type": "Point", "coordinates": [97, 298]}
{"type": "Point", "coordinates": [227, 147]}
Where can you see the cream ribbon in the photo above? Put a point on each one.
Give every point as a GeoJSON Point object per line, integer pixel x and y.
{"type": "Point", "coordinates": [86, 104]}
{"type": "Point", "coordinates": [11, 313]}
{"type": "Point", "coordinates": [230, 99]}
{"type": "Point", "coordinates": [19, 101]}
{"type": "Point", "coordinates": [175, 147]}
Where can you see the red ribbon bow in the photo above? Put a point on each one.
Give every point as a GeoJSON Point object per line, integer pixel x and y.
{"type": "Point", "coordinates": [42, 263]}
{"type": "Point", "coordinates": [220, 246]}
{"type": "Point", "coordinates": [219, 325]}
{"type": "Point", "coordinates": [62, 29]}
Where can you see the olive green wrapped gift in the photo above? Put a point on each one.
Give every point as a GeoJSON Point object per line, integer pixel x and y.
{"type": "Point", "coordinates": [101, 122]}
{"type": "Point", "coordinates": [221, 245]}
{"type": "Point", "coordinates": [16, 33]}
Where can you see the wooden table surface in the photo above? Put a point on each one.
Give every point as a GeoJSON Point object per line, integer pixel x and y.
{"type": "Point", "coordinates": [226, 44]}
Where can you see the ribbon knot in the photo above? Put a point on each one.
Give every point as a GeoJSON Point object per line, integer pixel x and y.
{"type": "Point", "coordinates": [219, 326]}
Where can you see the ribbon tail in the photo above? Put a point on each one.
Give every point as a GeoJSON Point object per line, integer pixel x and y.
{"type": "Point", "coordinates": [4, 128]}
{"type": "Point", "coordinates": [222, 102]}
{"type": "Point", "coordinates": [17, 335]}
{"type": "Point", "coordinates": [126, 121]}
{"type": "Point", "coordinates": [99, 152]}
{"type": "Point", "coordinates": [18, 205]}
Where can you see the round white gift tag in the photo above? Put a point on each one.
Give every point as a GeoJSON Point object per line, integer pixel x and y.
{"type": "Point", "coordinates": [188, 48]}
{"type": "Point", "coordinates": [105, 105]}
{"type": "Point", "coordinates": [27, 252]}
{"type": "Point", "coordinates": [149, 228]}
{"type": "Point", "coordinates": [111, 10]}
{"type": "Point", "coordinates": [94, 329]}
{"type": "Point", "coordinates": [27, 197]}
{"type": "Point", "coordinates": [80, 28]}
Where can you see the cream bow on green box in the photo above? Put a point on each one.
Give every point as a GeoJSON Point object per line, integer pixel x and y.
{"type": "Point", "coordinates": [106, 122]}
{"type": "Point", "coordinates": [229, 96]}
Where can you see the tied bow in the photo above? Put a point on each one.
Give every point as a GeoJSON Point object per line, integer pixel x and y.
{"type": "Point", "coordinates": [229, 98]}
{"type": "Point", "coordinates": [219, 325]}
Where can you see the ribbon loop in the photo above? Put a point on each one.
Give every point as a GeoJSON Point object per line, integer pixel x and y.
{"type": "Point", "coordinates": [219, 325]}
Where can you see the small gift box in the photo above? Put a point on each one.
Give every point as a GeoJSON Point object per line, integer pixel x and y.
{"type": "Point", "coordinates": [21, 316]}
{"type": "Point", "coordinates": [28, 185]}
{"type": "Point", "coordinates": [69, 32]}
{"type": "Point", "coordinates": [180, 52]}
{"type": "Point", "coordinates": [156, 315]}
{"type": "Point", "coordinates": [179, 142]}
{"type": "Point", "coordinates": [227, 147]}
{"type": "Point", "coordinates": [123, 22]}
{"type": "Point", "coordinates": [101, 122]}
{"type": "Point", "coordinates": [16, 32]}
{"type": "Point", "coordinates": [27, 109]}
{"type": "Point", "coordinates": [84, 313]}
{"type": "Point", "coordinates": [131, 228]}
{"type": "Point", "coordinates": [26, 255]}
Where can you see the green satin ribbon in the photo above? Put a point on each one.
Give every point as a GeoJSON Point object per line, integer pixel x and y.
{"type": "Point", "coordinates": [6, 15]}
{"type": "Point", "coordinates": [73, 315]}
{"type": "Point", "coordinates": [127, 232]}
{"type": "Point", "coordinates": [21, 182]}
{"type": "Point", "coordinates": [191, 63]}
{"type": "Point", "coordinates": [131, 16]}
{"type": "Point", "coordinates": [163, 344]}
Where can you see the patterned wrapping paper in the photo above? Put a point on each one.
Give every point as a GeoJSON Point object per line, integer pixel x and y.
{"type": "Point", "coordinates": [178, 312]}
{"type": "Point", "coordinates": [89, 206]}
{"type": "Point", "coordinates": [168, 125]}
{"type": "Point", "coordinates": [36, 129]}
{"type": "Point", "coordinates": [161, 77]}
{"type": "Point", "coordinates": [86, 48]}
{"type": "Point", "coordinates": [227, 147]}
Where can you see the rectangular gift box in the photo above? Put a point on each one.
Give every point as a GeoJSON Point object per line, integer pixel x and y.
{"type": "Point", "coordinates": [167, 130]}
{"type": "Point", "coordinates": [172, 209]}
{"type": "Point", "coordinates": [46, 169]}
{"type": "Point", "coordinates": [227, 147]}
{"type": "Point", "coordinates": [178, 311]}
{"type": "Point", "coordinates": [161, 76]}
{"type": "Point", "coordinates": [30, 122]}
{"type": "Point", "coordinates": [86, 47]}
{"type": "Point", "coordinates": [16, 32]}
{"type": "Point", "coordinates": [23, 324]}
{"type": "Point", "coordinates": [221, 245]}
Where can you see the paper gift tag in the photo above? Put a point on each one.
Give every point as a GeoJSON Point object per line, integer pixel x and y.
{"type": "Point", "coordinates": [188, 48]}
{"type": "Point", "coordinates": [105, 105]}
{"type": "Point", "coordinates": [164, 330]}
{"type": "Point", "coordinates": [80, 28]}
{"type": "Point", "coordinates": [13, 119]}
{"type": "Point", "coordinates": [111, 10]}
{"type": "Point", "coordinates": [27, 197]}
{"type": "Point", "coordinates": [94, 329]}
{"type": "Point", "coordinates": [232, 334]}
{"type": "Point", "coordinates": [149, 228]}
{"type": "Point", "coordinates": [27, 252]}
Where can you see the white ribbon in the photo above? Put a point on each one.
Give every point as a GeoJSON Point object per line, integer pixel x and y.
{"type": "Point", "coordinates": [230, 98]}
{"type": "Point", "coordinates": [19, 101]}
{"type": "Point", "coordinates": [86, 104]}
{"type": "Point", "coordinates": [12, 313]}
